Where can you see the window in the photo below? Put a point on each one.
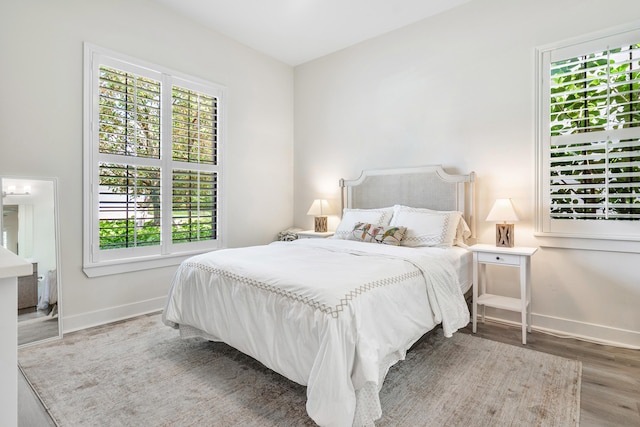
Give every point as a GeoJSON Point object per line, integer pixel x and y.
{"type": "Point", "coordinates": [589, 139]}
{"type": "Point", "coordinates": [152, 164]}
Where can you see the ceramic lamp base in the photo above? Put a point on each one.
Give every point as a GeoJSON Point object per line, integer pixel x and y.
{"type": "Point", "coordinates": [320, 224]}
{"type": "Point", "coordinates": [505, 235]}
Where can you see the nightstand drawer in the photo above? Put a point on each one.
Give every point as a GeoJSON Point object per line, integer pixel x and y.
{"type": "Point", "coordinates": [495, 258]}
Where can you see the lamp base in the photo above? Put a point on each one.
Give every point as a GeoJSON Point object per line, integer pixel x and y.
{"type": "Point", "coordinates": [320, 225]}
{"type": "Point", "coordinates": [505, 235]}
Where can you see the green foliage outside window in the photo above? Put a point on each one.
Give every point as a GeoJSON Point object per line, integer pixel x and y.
{"type": "Point", "coordinates": [116, 233]}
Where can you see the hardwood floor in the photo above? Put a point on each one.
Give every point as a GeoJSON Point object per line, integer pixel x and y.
{"type": "Point", "coordinates": [610, 393]}
{"type": "Point", "coordinates": [29, 332]}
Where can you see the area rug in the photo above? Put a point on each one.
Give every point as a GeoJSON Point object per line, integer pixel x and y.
{"type": "Point", "coordinates": [141, 373]}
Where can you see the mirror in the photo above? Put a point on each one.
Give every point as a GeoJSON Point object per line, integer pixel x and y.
{"type": "Point", "coordinates": [30, 230]}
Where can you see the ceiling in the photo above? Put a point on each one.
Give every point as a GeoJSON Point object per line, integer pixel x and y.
{"type": "Point", "coordinates": [297, 31]}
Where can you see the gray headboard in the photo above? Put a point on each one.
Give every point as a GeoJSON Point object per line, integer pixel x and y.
{"type": "Point", "coordinates": [420, 187]}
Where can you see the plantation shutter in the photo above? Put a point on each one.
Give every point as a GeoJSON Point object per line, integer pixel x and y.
{"type": "Point", "coordinates": [194, 200]}
{"type": "Point", "coordinates": [129, 153]}
{"type": "Point", "coordinates": [594, 134]}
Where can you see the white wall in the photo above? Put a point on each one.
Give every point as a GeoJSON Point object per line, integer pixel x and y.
{"type": "Point", "coordinates": [41, 45]}
{"type": "Point", "coordinates": [458, 90]}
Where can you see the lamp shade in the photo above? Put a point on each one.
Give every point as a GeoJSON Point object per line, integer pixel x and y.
{"type": "Point", "coordinates": [319, 207]}
{"type": "Point", "coordinates": [502, 210]}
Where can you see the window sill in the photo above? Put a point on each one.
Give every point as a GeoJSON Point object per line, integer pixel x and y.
{"type": "Point", "coordinates": [135, 264]}
{"type": "Point", "coordinates": [588, 243]}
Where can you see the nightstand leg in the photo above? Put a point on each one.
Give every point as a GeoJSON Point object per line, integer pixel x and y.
{"type": "Point", "coordinates": [529, 308]}
{"type": "Point", "coordinates": [474, 303]}
{"type": "Point", "coordinates": [483, 286]}
{"type": "Point", "coordinates": [524, 324]}
{"type": "Point", "coordinates": [524, 297]}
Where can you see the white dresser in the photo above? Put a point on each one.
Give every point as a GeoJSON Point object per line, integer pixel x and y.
{"type": "Point", "coordinates": [11, 267]}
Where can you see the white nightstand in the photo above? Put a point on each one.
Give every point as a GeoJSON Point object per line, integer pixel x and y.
{"type": "Point", "coordinates": [511, 257]}
{"type": "Point", "coordinates": [310, 234]}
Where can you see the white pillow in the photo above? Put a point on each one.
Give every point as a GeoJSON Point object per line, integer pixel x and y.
{"type": "Point", "coordinates": [350, 217]}
{"type": "Point", "coordinates": [427, 227]}
{"type": "Point", "coordinates": [463, 232]}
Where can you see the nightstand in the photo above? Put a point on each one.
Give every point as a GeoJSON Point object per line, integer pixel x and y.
{"type": "Point", "coordinates": [310, 234]}
{"type": "Point", "coordinates": [519, 257]}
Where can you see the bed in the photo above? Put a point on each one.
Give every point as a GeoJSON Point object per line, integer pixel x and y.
{"type": "Point", "coordinates": [335, 314]}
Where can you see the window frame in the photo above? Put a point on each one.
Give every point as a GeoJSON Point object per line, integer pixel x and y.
{"type": "Point", "coordinates": [607, 235]}
{"type": "Point", "coordinates": [97, 262]}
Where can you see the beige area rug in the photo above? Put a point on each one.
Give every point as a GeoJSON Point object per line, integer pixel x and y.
{"type": "Point", "coordinates": [141, 373]}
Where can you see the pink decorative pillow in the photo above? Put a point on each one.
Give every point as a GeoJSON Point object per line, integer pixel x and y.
{"type": "Point", "coordinates": [387, 235]}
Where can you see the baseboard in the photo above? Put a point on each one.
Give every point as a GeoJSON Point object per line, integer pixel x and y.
{"type": "Point", "coordinates": [591, 332]}
{"type": "Point", "coordinates": [548, 324]}
{"type": "Point", "coordinates": [111, 314]}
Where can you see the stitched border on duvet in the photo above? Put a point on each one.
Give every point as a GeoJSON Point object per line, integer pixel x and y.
{"type": "Point", "coordinates": [316, 305]}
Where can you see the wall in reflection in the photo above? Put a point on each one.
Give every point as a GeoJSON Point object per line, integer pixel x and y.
{"type": "Point", "coordinates": [29, 229]}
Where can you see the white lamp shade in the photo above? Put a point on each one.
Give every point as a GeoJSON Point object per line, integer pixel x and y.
{"type": "Point", "coordinates": [319, 207]}
{"type": "Point", "coordinates": [502, 210]}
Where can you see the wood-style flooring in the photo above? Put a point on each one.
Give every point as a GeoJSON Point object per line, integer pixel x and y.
{"type": "Point", "coordinates": [610, 393]}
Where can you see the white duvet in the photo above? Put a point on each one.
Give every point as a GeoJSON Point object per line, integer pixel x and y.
{"type": "Point", "coordinates": [330, 314]}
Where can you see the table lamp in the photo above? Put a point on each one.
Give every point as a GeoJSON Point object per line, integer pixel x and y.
{"type": "Point", "coordinates": [319, 208]}
{"type": "Point", "coordinates": [502, 210]}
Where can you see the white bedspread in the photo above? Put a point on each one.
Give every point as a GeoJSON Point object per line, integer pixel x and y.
{"type": "Point", "coordinates": [330, 314]}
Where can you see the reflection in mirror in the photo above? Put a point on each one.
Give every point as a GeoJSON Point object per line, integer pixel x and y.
{"type": "Point", "coordinates": [29, 229]}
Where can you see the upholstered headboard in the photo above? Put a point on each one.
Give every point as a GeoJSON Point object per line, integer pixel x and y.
{"type": "Point", "coordinates": [420, 187]}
